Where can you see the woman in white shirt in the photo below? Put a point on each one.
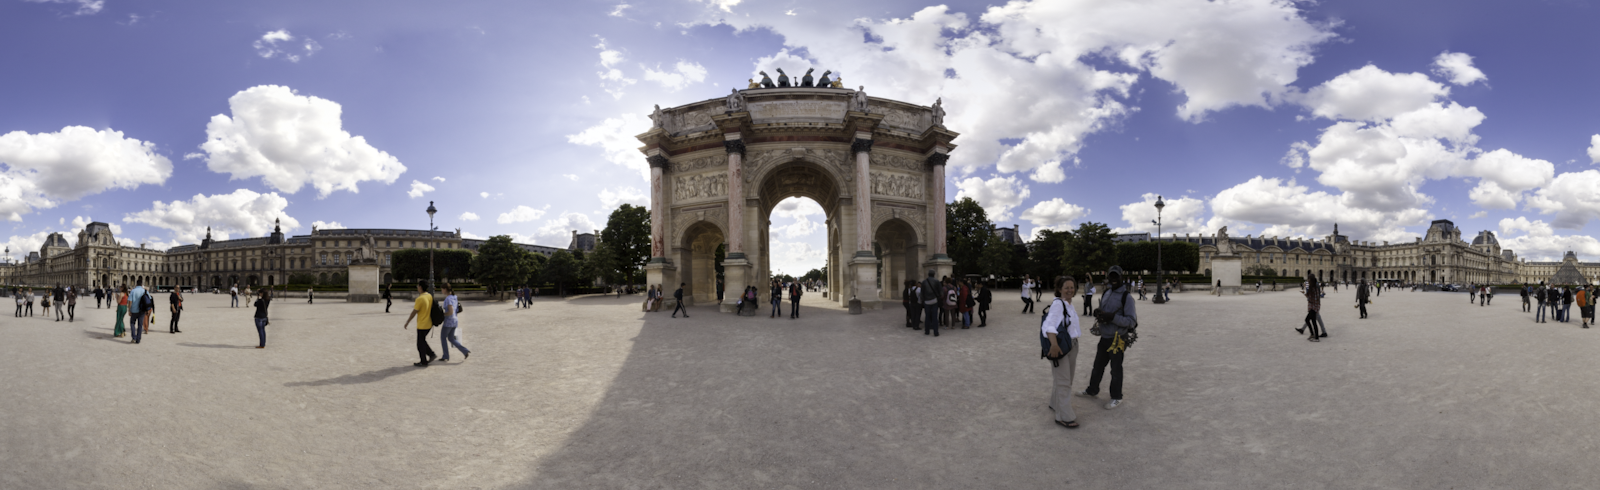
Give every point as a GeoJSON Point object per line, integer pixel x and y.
{"type": "Point", "coordinates": [1027, 290]}
{"type": "Point", "coordinates": [1062, 320]}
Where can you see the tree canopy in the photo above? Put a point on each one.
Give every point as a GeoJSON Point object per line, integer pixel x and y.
{"type": "Point", "coordinates": [967, 232]}
{"type": "Point", "coordinates": [1045, 253]}
{"type": "Point", "coordinates": [627, 234]}
{"type": "Point", "coordinates": [1090, 248]}
{"type": "Point", "coordinates": [1141, 256]}
{"type": "Point", "coordinates": [561, 270]}
{"type": "Point", "coordinates": [501, 263]}
{"type": "Point", "coordinates": [411, 264]}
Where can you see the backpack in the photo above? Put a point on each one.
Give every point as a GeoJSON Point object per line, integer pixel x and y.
{"type": "Point", "coordinates": [436, 315]}
{"type": "Point", "coordinates": [1044, 341]}
{"type": "Point", "coordinates": [950, 296]}
{"type": "Point", "coordinates": [147, 302]}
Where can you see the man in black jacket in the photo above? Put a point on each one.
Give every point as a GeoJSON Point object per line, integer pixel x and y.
{"type": "Point", "coordinates": [929, 294]}
{"type": "Point", "coordinates": [794, 300]}
{"type": "Point", "coordinates": [1362, 297]}
{"type": "Point", "coordinates": [983, 305]}
{"type": "Point", "coordinates": [678, 295]}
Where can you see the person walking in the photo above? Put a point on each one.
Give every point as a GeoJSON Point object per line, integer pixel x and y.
{"type": "Point", "coordinates": [1058, 335]}
{"type": "Point", "coordinates": [137, 312]}
{"type": "Point", "coordinates": [1472, 294]}
{"type": "Point", "coordinates": [1314, 310]}
{"type": "Point", "coordinates": [29, 294]}
{"type": "Point", "coordinates": [175, 304]}
{"type": "Point", "coordinates": [58, 297]}
{"type": "Point", "coordinates": [1485, 296]}
{"type": "Point", "coordinates": [1362, 298]}
{"type": "Point", "coordinates": [1581, 297]}
{"type": "Point", "coordinates": [233, 296]}
{"type": "Point", "coordinates": [1524, 292]}
{"type": "Point", "coordinates": [262, 302]}
{"type": "Point", "coordinates": [776, 298]}
{"type": "Point", "coordinates": [1566, 305]}
{"type": "Point", "coordinates": [388, 298]}
{"type": "Point", "coordinates": [678, 295]}
{"type": "Point", "coordinates": [17, 295]}
{"type": "Point", "coordinates": [1027, 294]}
{"type": "Point", "coordinates": [984, 298]}
{"type": "Point", "coordinates": [1539, 295]}
{"type": "Point", "coordinates": [421, 311]}
{"type": "Point", "coordinates": [122, 311]}
{"type": "Point", "coordinates": [964, 303]}
{"type": "Point", "coordinates": [794, 300]}
{"type": "Point", "coordinates": [929, 293]}
{"type": "Point", "coordinates": [909, 299]}
{"type": "Point", "coordinates": [72, 304]}
{"type": "Point", "coordinates": [452, 308]}
{"type": "Point", "coordinates": [99, 295]}
{"type": "Point", "coordinates": [1088, 297]}
{"type": "Point", "coordinates": [311, 295]}
{"type": "Point", "coordinates": [1116, 320]}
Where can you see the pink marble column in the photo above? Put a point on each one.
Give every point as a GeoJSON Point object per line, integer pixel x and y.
{"type": "Point", "coordinates": [658, 198]}
{"type": "Point", "coordinates": [862, 147]}
{"type": "Point", "coordinates": [735, 147]}
{"type": "Point", "coordinates": [936, 221]}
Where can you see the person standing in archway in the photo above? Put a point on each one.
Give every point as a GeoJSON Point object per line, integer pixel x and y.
{"type": "Point", "coordinates": [794, 300]}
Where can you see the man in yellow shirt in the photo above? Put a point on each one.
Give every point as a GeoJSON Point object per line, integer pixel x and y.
{"type": "Point", "coordinates": [420, 311]}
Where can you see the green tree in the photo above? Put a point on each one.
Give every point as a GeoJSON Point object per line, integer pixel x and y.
{"type": "Point", "coordinates": [1020, 263]}
{"type": "Point", "coordinates": [814, 275]}
{"type": "Point", "coordinates": [561, 270]}
{"type": "Point", "coordinates": [967, 233]}
{"type": "Point", "coordinates": [1045, 253]}
{"type": "Point", "coordinates": [627, 232]}
{"type": "Point", "coordinates": [412, 264]}
{"type": "Point", "coordinates": [603, 265]}
{"type": "Point", "coordinates": [996, 259]}
{"type": "Point", "coordinates": [1090, 248]}
{"type": "Point", "coordinates": [535, 275]}
{"type": "Point", "coordinates": [500, 263]}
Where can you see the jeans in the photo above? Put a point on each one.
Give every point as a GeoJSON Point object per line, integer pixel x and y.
{"type": "Point", "coordinates": [71, 311]}
{"type": "Point", "coordinates": [1363, 305]}
{"type": "Point", "coordinates": [966, 318]}
{"type": "Point", "coordinates": [138, 321]}
{"type": "Point", "coordinates": [423, 350]}
{"type": "Point", "coordinates": [1566, 312]}
{"type": "Point", "coordinates": [450, 338]}
{"type": "Point", "coordinates": [983, 315]}
{"type": "Point", "coordinates": [1088, 304]}
{"type": "Point", "coordinates": [1538, 315]}
{"type": "Point", "coordinates": [777, 307]}
{"type": "Point", "coordinates": [59, 313]}
{"type": "Point", "coordinates": [1027, 304]}
{"type": "Point", "coordinates": [173, 326]}
{"type": "Point", "coordinates": [794, 308]}
{"type": "Point", "coordinates": [261, 331]}
{"type": "Point", "coordinates": [1101, 359]}
{"type": "Point", "coordinates": [912, 312]}
{"type": "Point", "coordinates": [235, 301]}
{"type": "Point", "coordinates": [931, 323]}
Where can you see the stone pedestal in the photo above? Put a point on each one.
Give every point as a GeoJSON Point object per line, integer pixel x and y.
{"type": "Point", "coordinates": [864, 271]}
{"type": "Point", "coordinates": [1228, 270]}
{"type": "Point", "coordinates": [735, 277]}
{"type": "Point", "coordinates": [663, 274]}
{"type": "Point", "coordinates": [364, 279]}
{"type": "Point", "coordinates": [941, 265]}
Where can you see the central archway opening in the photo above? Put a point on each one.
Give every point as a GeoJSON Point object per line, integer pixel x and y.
{"type": "Point", "coordinates": [797, 225]}
{"type": "Point", "coordinates": [798, 239]}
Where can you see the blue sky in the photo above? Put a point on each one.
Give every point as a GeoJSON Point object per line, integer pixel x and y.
{"type": "Point", "coordinates": [518, 118]}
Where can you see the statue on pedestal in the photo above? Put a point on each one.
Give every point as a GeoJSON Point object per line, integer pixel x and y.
{"type": "Point", "coordinates": [367, 253]}
{"type": "Point", "coordinates": [824, 82]}
{"type": "Point", "coordinates": [766, 81]}
{"type": "Point", "coordinates": [1224, 244]}
{"type": "Point", "coordinates": [783, 78]}
{"type": "Point", "coordinates": [753, 83]}
{"type": "Point", "coordinates": [735, 101]}
{"type": "Point", "coordinates": [858, 102]}
{"type": "Point", "coordinates": [938, 112]}
{"type": "Point", "coordinates": [838, 82]}
{"type": "Point", "coordinates": [805, 81]}
{"type": "Point", "coordinates": [657, 120]}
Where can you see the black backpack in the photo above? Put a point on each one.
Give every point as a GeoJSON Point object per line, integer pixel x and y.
{"type": "Point", "coordinates": [147, 302]}
{"type": "Point", "coordinates": [436, 315]}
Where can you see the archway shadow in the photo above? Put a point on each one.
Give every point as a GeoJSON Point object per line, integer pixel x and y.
{"type": "Point", "coordinates": [216, 346]}
{"type": "Point", "coordinates": [354, 379]}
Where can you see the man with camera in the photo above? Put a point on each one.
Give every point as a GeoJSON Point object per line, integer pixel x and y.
{"type": "Point", "coordinates": [1116, 322]}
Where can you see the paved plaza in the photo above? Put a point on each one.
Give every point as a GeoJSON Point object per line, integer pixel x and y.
{"type": "Point", "coordinates": [1431, 392]}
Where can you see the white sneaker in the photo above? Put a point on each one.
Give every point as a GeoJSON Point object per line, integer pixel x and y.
{"type": "Point", "coordinates": [1113, 404]}
{"type": "Point", "coordinates": [1083, 393]}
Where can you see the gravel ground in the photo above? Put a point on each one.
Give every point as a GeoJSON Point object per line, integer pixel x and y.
{"type": "Point", "coordinates": [1431, 392]}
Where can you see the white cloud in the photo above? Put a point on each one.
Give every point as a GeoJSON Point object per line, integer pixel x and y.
{"type": "Point", "coordinates": [484, 195]}
{"type": "Point", "coordinates": [469, 216]}
{"type": "Point", "coordinates": [557, 232]}
{"type": "Point", "coordinates": [998, 195]}
{"type": "Point", "coordinates": [1372, 94]}
{"type": "Point", "coordinates": [615, 137]}
{"type": "Point", "coordinates": [611, 198]}
{"type": "Point", "coordinates": [1181, 215]}
{"type": "Point", "coordinates": [193, 155]}
{"type": "Point", "coordinates": [1021, 70]}
{"type": "Point", "coordinates": [292, 140]}
{"type": "Point", "coordinates": [85, 7]}
{"type": "Point", "coordinates": [281, 43]}
{"type": "Point", "coordinates": [795, 258]}
{"type": "Point", "coordinates": [471, 235]}
{"type": "Point", "coordinates": [684, 74]}
{"type": "Point", "coordinates": [1594, 149]}
{"type": "Point", "coordinates": [612, 80]}
{"type": "Point", "coordinates": [1054, 214]}
{"type": "Point", "coordinates": [799, 210]}
{"type": "Point", "coordinates": [1291, 209]}
{"type": "Point", "coordinates": [20, 245]}
{"type": "Point", "coordinates": [80, 222]}
{"type": "Point", "coordinates": [1573, 197]}
{"type": "Point", "coordinates": [438, 178]}
{"type": "Point", "coordinates": [418, 188]}
{"type": "Point", "coordinates": [520, 214]}
{"type": "Point", "coordinates": [328, 225]}
{"type": "Point", "coordinates": [1540, 243]}
{"type": "Point", "coordinates": [243, 212]}
{"type": "Point", "coordinates": [1457, 67]}
{"type": "Point", "coordinates": [572, 177]}
{"type": "Point", "coordinates": [1505, 176]}
{"type": "Point", "coordinates": [617, 12]}
{"type": "Point", "coordinates": [40, 171]}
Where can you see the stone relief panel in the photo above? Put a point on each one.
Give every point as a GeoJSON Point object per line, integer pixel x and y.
{"type": "Point", "coordinates": [682, 219]}
{"type": "Point", "coordinates": [915, 122]}
{"type": "Point", "coordinates": [783, 110]}
{"type": "Point", "coordinates": [686, 166]}
{"type": "Point", "coordinates": [699, 186]}
{"type": "Point", "coordinates": [758, 162]}
{"type": "Point", "coordinates": [917, 217]}
{"type": "Point", "coordinates": [690, 121]}
{"type": "Point", "coordinates": [895, 184]}
{"type": "Point", "coordinates": [882, 159]}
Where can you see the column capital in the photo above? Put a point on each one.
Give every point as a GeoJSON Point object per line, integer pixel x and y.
{"type": "Point", "coordinates": [734, 146]}
{"type": "Point", "coordinates": [657, 161]}
{"type": "Point", "coordinates": [861, 145]}
{"type": "Point", "coordinates": [937, 159]}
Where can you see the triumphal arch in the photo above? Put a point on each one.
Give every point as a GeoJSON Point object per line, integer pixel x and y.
{"type": "Point", "coordinates": [718, 167]}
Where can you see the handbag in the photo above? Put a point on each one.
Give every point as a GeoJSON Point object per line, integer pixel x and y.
{"type": "Point", "coordinates": [1044, 340]}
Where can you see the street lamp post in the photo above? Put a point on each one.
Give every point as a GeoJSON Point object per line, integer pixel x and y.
{"type": "Point", "coordinates": [431, 228]}
{"type": "Point", "coordinates": [1160, 284]}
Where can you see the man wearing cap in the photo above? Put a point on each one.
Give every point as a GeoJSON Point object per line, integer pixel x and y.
{"type": "Point", "coordinates": [1114, 319]}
